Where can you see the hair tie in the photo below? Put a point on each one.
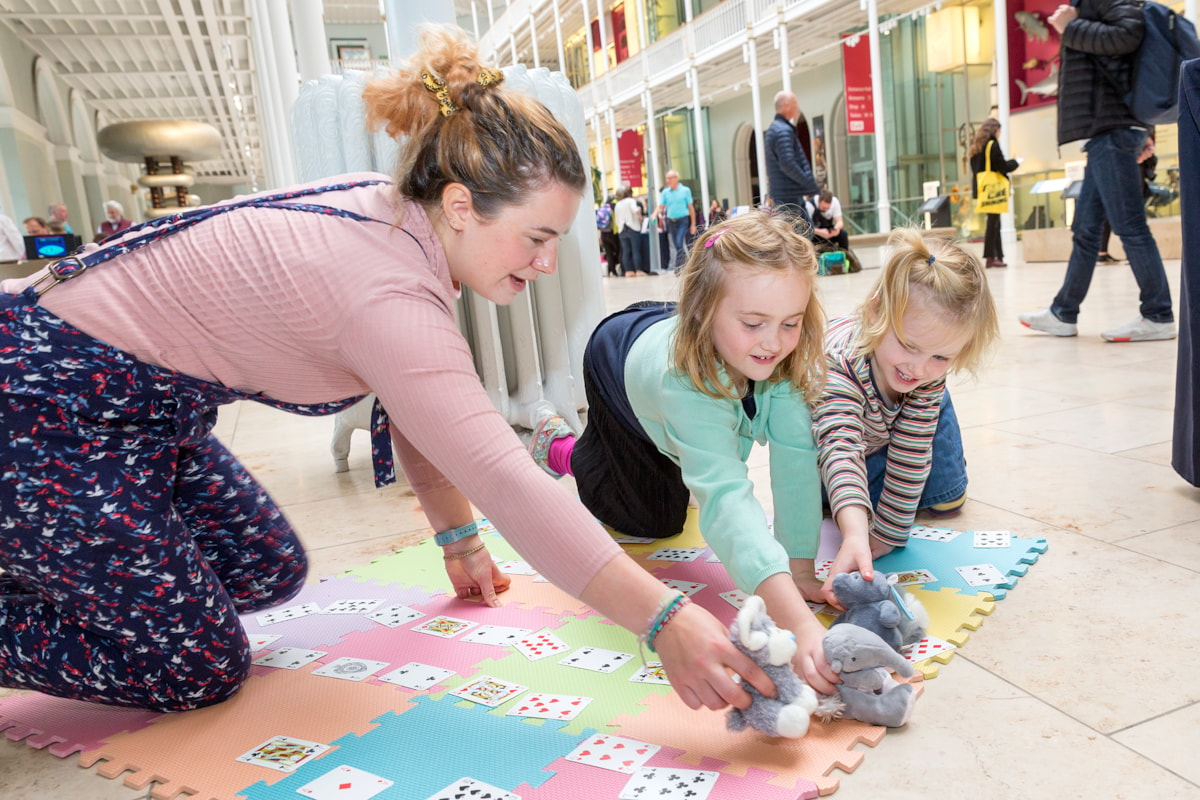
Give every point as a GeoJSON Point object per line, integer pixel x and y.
{"type": "Point", "coordinates": [489, 76]}
{"type": "Point", "coordinates": [932, 258]}
{"type": "Point", "coordinates": [437, 87]}
{"type": "Point", "coordinates": [713, 239]}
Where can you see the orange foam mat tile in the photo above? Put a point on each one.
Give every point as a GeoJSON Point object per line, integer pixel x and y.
{"type": "Point", "coordinates": [195, 752]}
{"type": "Point", "coordinates": [815, 757]}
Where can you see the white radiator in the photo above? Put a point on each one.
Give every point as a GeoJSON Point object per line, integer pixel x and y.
{"type": "Point", "coordinates": [530, 352]}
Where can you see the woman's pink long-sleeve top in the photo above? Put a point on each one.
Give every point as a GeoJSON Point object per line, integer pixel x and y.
{"type": "Point", "coordinates": [308, 308]}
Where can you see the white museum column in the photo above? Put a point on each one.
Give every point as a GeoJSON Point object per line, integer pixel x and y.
{"type": "Point", "coordinates": [312, 48]}
{"type": "Point", "coordinates": [750, 55]}
{"type": "Point", "coordinates": [883, 200]}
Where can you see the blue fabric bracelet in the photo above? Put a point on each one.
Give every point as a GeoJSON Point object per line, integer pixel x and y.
{"type": "Point", "coordinates": [446, 537]}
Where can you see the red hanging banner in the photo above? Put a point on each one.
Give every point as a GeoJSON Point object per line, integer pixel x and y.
{"type": "Point", "coordinates": [856, 73]}
{"type": "Point", "coordinates": [630, 153]}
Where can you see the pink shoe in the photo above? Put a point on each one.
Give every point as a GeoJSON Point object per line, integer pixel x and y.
{"type": "Point", "coordinates": [547, 431]}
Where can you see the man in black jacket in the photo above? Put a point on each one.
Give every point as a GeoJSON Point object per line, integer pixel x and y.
{"type": "Point", "coordinates": [1099, 41]}
{"type": "Point", "coordinates": [789, 177]}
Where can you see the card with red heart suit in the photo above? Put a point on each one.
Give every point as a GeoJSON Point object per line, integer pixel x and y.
{"type": "Point", "coordinates": [613, 752]}
{"type": "Point", "coordinates": [540, 705]}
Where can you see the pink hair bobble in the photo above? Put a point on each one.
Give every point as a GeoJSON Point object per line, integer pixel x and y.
{"type": "Point", "coordinates": [713, 239]}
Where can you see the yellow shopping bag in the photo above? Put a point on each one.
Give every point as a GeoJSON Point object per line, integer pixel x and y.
{"type": "Point", "coordinates": [991, 188]}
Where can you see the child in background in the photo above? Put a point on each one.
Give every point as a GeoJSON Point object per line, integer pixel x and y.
{"type": "Point", "coordinates": [678, 396]}
{"type": "Point", "coordinates": [887, 437]}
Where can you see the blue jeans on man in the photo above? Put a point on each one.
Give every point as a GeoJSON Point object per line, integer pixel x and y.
{"type": "Point", "coordinates": [677, 231]}
{"type": "Point", "coordinates": [1112, 188]}
{"type": "Point", "coordinates": [631, 251]}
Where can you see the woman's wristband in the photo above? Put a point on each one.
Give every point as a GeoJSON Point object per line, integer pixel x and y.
{"type": "Point", "coordinates": [448, 537]}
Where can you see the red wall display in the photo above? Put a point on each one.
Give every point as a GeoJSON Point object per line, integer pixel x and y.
{"type": "Point", "coordinates": [1033, 47]}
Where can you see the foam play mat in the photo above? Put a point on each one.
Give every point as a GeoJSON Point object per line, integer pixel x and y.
{"type": "Point", "coordinates": [379, 684]}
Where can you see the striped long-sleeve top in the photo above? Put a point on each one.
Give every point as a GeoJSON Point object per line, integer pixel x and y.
{"type": "Point", "coordinates": [852, 420]}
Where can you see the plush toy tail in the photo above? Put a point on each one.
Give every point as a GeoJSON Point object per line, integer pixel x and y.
{"type": "Point", "coordinates": [912, 630]}
{"type": "Point", "coordinates": [829, 708]}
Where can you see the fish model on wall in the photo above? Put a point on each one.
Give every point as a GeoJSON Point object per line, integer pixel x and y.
{"type": "Point", "coordinates": [1033, 26]}
{"type": "Point", "coordinates": [1046, 87]}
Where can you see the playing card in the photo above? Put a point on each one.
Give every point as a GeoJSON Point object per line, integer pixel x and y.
{"type": "Point", "coordinates": [395, 616]}
{"type": "Point", "coordinates": [501, 635]}
{"type": "Point", "coordinates": [821, 569]}
{"type": "Point", "coordinates": [613, 752]}
{"type": "Point", "coordinates": [260, 640]}
{"type": "Point", "coordinates": [540, 579]}
{"type": "Point", "coordinates": [669, 783]}
{"type": "Point", "coordinates": [676, 554]}
{"type": "Point", "coordinates": [652, 672]}
{"type": "Point", "coordinates": [284, 614]}
{"type": "Point", "coordinates": [822, 608]}
{"type": "Point", "coordinates": [993, 538]}
{"type": "Point", "coordinates": [735, 597]}
{"type": "Point", "coordinates": [915, 577]}
{"type": "Point", "coordinates": [687, 587]}
{"type": "Point", "coordinates": [349, 668]}
{"type": "Point", "coordinates": [540, 705]}
{"type": "Point", "coordinates": [633, 539]}
{"type": "Point", "coordinates": [473, 789]}
{"type": "Point", "coordinates": [929, 646]}
{"type": "Point", "coordinates": [981, 574]}
{"type": "Point", "coordinates": [288, 658]}
{"type": "Point", "coordinates": [418, 676]}
{"type": "Point", "coordinates": [488, 691]}
{"type": "Point", "coordinates": [345, 783]}
{"type": "Point", "coordinates": [933, 534]}
{"type": "Point", "coordinates": [283, 753]}
{"type": "Point", "coordinates": [445, 627]}
{"type": "Point", "coordinates": [596, 659]}
{"type": "Point", "coordinates": [352, 607]}
{"type": "Point", "coordinates": [515, 568]}
{"type": "Point", "coordinates": [540, 645]}
{"type": "Point", "coordinates": [713, 558]}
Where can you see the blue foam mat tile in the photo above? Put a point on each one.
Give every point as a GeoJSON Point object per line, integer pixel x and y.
{"type": "Point", "coordinates": [941, 558]}
{"type": "Point", "coordinates": [434, 744]}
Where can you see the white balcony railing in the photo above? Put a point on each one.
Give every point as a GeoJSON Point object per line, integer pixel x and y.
{"type": "Point", "coordinates": [719, 24]}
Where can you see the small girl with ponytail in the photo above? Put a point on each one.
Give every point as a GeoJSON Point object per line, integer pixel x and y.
{"type": "Point", "coordinates": [677, 397]}
{"type": "Point", "coordinates": [887, 437]}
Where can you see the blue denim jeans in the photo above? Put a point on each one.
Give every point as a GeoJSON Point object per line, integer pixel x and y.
{"type": "Point", "coordinates": [948, 471]}
{"type": "Point", "coordinates": [631, 251]}
{"type": "Point", "coordinates": [1112, 188]}
{"type": "Point", "coordinates": [677, 231]}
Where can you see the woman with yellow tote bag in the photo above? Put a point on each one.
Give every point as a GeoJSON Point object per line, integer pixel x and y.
{"type": "Point", "coordinates": [989, 171]}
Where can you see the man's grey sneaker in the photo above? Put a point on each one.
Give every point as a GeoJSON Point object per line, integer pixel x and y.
{"type": "Point", "coordinates": [1046, 322]}
{"type": "Point", "coordinates": [1141, 330]}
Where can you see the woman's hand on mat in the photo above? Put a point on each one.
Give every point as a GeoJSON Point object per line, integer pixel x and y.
{"type": "Point", "coordinates": [476, 575]}
{"type": "Point", "coordinates": [698, 656]}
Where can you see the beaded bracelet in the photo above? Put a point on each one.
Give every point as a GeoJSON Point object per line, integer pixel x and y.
{"type": "Point", "coordinates": [667, 609]}
{"type": "Point", "coordinates": [446, 537]}
{"type": "Point", "coordinates": [464, 554]}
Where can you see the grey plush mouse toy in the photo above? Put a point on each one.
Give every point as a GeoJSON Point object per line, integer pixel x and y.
{"type": "Point", "coordinates": [789, 713]}
{"type": "Point", "coordinates": [868, 692]}
{"type": "Point", "coordinates": [876, 606]}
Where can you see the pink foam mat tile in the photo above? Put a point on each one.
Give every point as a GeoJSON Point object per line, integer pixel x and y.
{"type": "Point", "coordinates": [791, 762]}
{"type": "Point", "coordinates": [65, 726]}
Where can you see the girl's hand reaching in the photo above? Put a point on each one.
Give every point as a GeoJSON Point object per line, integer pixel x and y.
{"type": "Point", "coordinates": [853, 556]}
{"type": "Point", "coordinates": [809, 661]}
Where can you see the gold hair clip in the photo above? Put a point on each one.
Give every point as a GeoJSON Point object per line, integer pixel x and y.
{"type": "Point", "coordinates": [489, 76]}
{"type": "Point", "coordinates": [437, 87]}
